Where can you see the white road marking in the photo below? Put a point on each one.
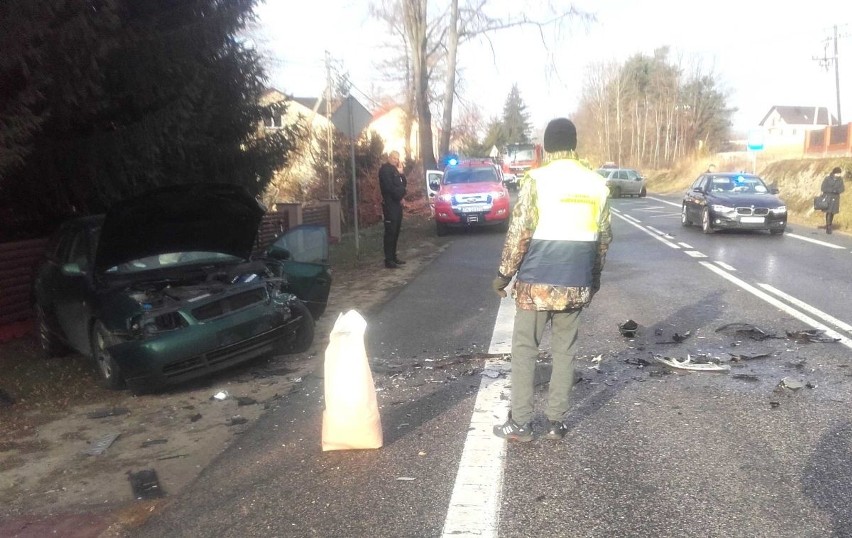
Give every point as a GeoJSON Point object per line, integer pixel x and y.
{"type": "Point", "coordinates": [695, 254]}
{"type": "Point", "coordinates": [475, 502]}
{"type": "Point", "coordinates": [652, 234]}
{"type": "Point", "coordinates": [808, 308]}
{"type": "Point", "coordinates": [629, 217]}
{"type": "Point", "coordinates": [815, 241]}
{"type": "Point", "coordinates": [725, 265]}
{"type": "Point", "coordinates": [650, 208]}
{"type": "Point", "coordinates": [778, 304]}
{"type": "Point", "coordinates": [676, 204]}
{"type": "Point", "coordinates": [685, 245]}
{"type": "Point", "coordinates": [656, 230]}
{"type": "Point", "coordinates": [501, 337]}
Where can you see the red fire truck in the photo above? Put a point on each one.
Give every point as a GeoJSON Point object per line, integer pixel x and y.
{"type": "Point", "coordinates": [516, 159]}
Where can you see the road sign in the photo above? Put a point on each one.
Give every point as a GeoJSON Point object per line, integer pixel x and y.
{"type": "Point", "coordinates": [755, 139]}
{"type": "Point", "coordinates": [351, 125]}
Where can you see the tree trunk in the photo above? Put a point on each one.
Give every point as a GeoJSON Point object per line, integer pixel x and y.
{"type": "Point", "coordinates": [450, 87]}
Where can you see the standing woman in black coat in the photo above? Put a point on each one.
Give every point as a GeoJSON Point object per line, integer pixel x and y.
{"type": "Point", "coordinates": [832, 186]}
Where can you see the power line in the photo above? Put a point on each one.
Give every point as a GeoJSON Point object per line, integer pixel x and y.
{"type": "Point", "coordinates": [827, 61]}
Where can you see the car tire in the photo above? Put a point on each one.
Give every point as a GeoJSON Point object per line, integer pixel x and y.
{"type": "Point", "coordinates": [51, 346]}
{"type": "Point", "coordinates": [303, 337]}
{"type": "Point", "coordinates": [706, 226]}
{"type": "Point", "coordinates": [643, 193]}
{"type": "Point", "coordinates": [440, 229]}
{"type": "Point", "coordinates": [684, 220]}
{"type": "Point", "coordinates": [108, 369]}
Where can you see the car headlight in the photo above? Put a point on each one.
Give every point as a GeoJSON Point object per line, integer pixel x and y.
{"type": "Point", "coordinates": [722, 208]}
{"type": "Point", "coordinates": [781, 209]}
{"type": "Point", "coordinates": [446, 198]}
{"type": "Point", "coordinates": [498, 194]}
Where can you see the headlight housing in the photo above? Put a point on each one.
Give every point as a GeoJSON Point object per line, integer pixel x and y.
{"type": "Point", "coordinates": [446, 198]}
{"type": "Point", "coordinates": [780, 210]}
{"type": "Point", "coordinates": [722, 208]}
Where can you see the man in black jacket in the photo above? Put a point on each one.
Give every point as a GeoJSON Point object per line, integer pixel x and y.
{"type": "Point", "coordinates": [393, 184]}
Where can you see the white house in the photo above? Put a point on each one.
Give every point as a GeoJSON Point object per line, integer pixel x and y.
{"type": "Point", "coordinates": [787, 125]}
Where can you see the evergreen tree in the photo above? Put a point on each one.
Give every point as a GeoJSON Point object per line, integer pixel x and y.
{"type": "Point", "coordinates": [516, 126]}
{"type": "Point", "coordinates": [132, 95]}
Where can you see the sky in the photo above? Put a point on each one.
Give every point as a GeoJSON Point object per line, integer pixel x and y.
{"type": "Point", "coordinates": [760, 51]}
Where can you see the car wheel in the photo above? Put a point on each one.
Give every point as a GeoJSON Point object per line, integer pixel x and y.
{"type": "Point", "coordinates": [706, 227]}
{"type": "Point", "coordinates": [440, 229]}
{"type": "Point", "coordinates": [51, 346]}
{"type": "Point", "coordinates": [643, 193]}
{"type": "Point", "coordinates": [684, 220]}
{"type": "Point", "coordinates": [776, 231]}
{"type": "Point", "coordinates": [108, 369]}
{"type": "Point", "coordinates": [301, 339]}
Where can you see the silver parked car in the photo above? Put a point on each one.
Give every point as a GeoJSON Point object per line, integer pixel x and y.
{"type": "Point", "coordinates": [623, 182]}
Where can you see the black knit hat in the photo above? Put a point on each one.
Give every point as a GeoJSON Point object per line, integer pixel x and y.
{"type": "Point", "coordinates": [560, 135]}
{"type": "Point", "coordinates": [836, 170]}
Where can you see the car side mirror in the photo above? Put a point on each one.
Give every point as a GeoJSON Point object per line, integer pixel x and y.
{"type": "Point", "coordinates": [281, 254]}
{"type": "Point", "coordinates": [774, 190]}
{"type": "Point", "coordinates": [72, 269]}
{"type": "Point", "coordinates": [697, 189]}
{"type": "Point", "coordinates": [434, 185]}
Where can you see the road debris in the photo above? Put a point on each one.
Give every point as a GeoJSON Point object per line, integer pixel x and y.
{"type": "Point", "coordinates": [152, 442]}
{"type": "Point", "coordinates": [100, 446]}
{"type": "Point", "coordinates": [745, 377]}
{"type": "Point", "coordinates": [405, 478]}
{"type": "Point", "coordinates": [736, 357]}
{"type": "Point", "coordinates": [221, 395]}
{"type": "Point", "coordinates": [245, 400]}
{"type": "Point", "coordinates": [195, 418]}
{"type": "Point", "coordinates": [677, 338]}
{"type": "Point", "coordinates": [145, 484]}
{"type": "Point", "coordinates": [806, 336]}
{"type": "Point", "coordinates": [688, 364]}
{"type": "Point", "coordinates": [790, 383]}
{"type": "Point", "coordinates": [596, 362]}
{"type": "Point", "coordinates": [746, 330]}
{"type": "Point", "coordinates": [236, 420]}
{"type": "Point", "coordinates": [628, 328]}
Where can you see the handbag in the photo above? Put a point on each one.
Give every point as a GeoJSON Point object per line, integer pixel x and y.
{"type": "Point", "coordinates": [821, 202]}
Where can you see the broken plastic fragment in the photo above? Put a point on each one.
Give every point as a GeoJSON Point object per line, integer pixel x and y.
{"type": "Point", "coordinates": [99, 446]}
{"type": "Point", "coordinates": [790, 383]}
{"type": "Point", "coordinates": [145, 484]}
{"type": "Point", "coordinates": [405, 478]}
{"type": "Point", "coordinates": [687, 364]}
{"type": "Point", "coordinates": [628, 328]}
{"type": "Point", "coordinates": [221, 395]}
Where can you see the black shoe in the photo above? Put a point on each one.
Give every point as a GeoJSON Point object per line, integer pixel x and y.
{"type": "Point", "coordinates": [512, 431]}
{"type": "Point", "coordinates": [828, 229]}
{"type": "Point", "coordinates": [398, 261]}
{"type": "Point", "coordinates": [556, 431]}
{"type": "Point", "coordinates": [391, 265]}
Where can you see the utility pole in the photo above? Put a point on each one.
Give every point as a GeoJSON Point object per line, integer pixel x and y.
{"type": "Point", "coordinates": [827, 61]}
{"type": "Point", "coordinates": [330, 137]}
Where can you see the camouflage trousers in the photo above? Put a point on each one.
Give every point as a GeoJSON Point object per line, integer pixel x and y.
{"type": "Point", "coordinates": [526, 339]}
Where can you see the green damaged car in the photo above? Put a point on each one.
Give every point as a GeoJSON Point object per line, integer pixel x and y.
{"type": "Point", "coordinates": [164, 288]}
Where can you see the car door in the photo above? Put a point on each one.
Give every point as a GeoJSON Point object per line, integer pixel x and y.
{"type": "Point", "coordinates": [694, 199]}
{"type": "Point", "coordinates": [70, 284]}
{"type": "Point", "coordinates": [433, 185]}
{"type": "Point", "coordinates": [633, 185]}
{"type": "Point", "coordinates": [303, 251]}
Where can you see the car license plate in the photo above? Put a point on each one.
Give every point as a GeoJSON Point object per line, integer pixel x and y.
{"type": "Point", "coordinates": [752, 220]}
{"type": "Point", "coordinates": [478, 208]}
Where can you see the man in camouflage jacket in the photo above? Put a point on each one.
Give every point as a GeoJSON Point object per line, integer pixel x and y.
{"type": "Point", "coordinates": [555, 248]}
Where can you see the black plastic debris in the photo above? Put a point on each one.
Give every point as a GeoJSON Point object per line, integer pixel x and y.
{"type": "Point", "coordinates": [237, 419]}
{"type": "Point", "coordinates": [628, 328]}
{"type": "Point", "coordinates": [245, 400]}
{"type": "Point", "coordinates": [145, 484]}
{"type": "Point", "coordinates": [807, 336]}
{"type": "Point", "coordinates": [195, 418]}
{"type": "Point", "coordinates": [108, 412]}
{"type": "Point", "coordinates": [745, 377]}
{"type": "Point", "coordinates": [637, 361]}
{"type": "Point", "coordinates": [744, 330]}
{"type": "Point", "coordinates": [737, 357]}
{"type": "Point", "coordinates": [152, 442]}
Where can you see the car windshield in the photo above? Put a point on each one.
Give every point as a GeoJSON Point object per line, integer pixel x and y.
{"type": "Point", "coordinates": [469, 175]}
{"type": "Point", "coordinates": [737, 185]}
{"type": "Point", "coordinates": [520, 155]}
{"type": "Point", "coordinates": [603, 173]}
{"type": "Point", "coordinates": [172, 259]}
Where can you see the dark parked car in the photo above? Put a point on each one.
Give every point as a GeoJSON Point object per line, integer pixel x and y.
{"type": "Point", "coordinates": [163, 288]}
{"type": "Point", "coordinates": [733, 200]}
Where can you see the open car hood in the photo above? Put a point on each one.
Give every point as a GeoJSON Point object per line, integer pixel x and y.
{"type": "Point", "coordinates": [208, 217]}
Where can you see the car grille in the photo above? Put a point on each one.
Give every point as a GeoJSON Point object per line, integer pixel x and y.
{"type": "Point", "coordinates": [229, 304]}
{"type": "Point", "coordinates": [472, 199]}
{"type": "Point", "coordinates": [232, 354]}
{"type": "Point", "coordinates": [752, 211]}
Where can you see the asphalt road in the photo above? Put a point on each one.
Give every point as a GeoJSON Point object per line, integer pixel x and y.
{"type": "Point", "coordinates": [651, 451]}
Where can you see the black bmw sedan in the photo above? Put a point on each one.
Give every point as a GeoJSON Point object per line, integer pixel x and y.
{"type": "Point", "coordinates": [733, 200]}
